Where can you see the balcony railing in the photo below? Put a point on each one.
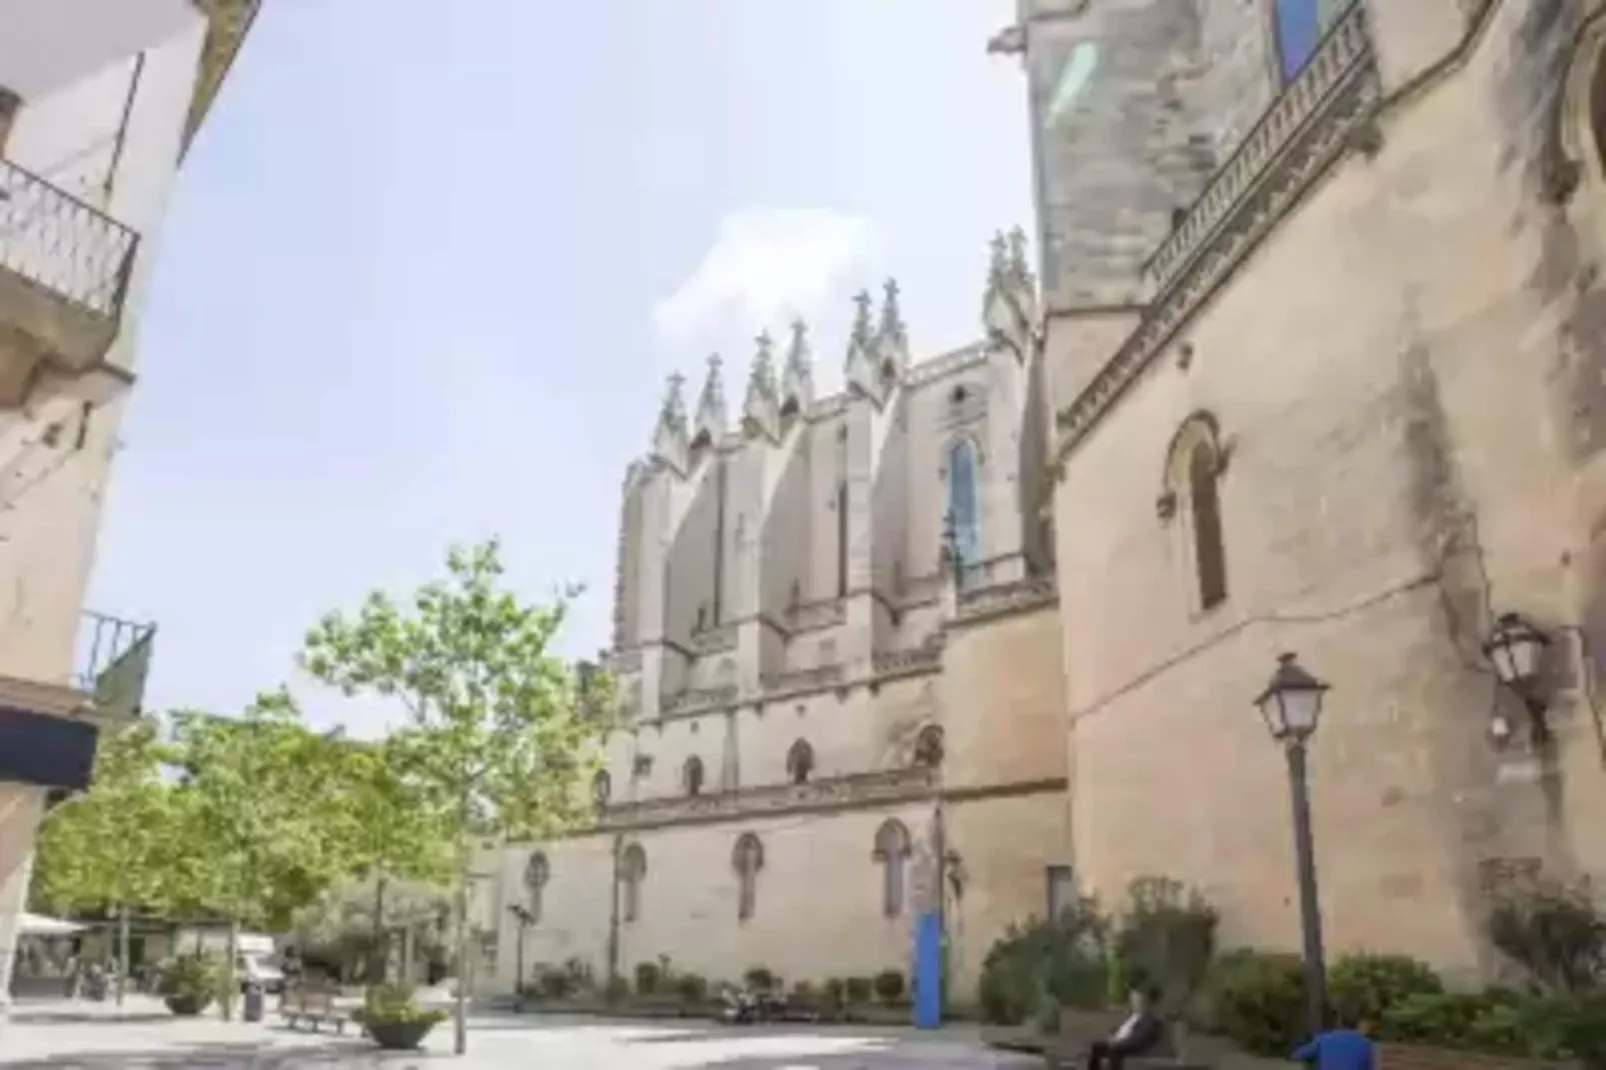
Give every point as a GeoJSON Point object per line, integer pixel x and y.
{"type": "Point", "coordinates": [892, 785]}
{"type": "Point", "coordinates": [52, 238]}
{"type": "Point", "coordinates": [114, 659]}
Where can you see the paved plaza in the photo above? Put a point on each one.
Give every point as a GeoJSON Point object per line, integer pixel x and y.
{"type": "Point", "coordinates": [146, 1037]}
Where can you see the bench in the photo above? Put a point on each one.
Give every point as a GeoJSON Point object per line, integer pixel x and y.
{"type": "Point", "coordinates": [315, 1007]}
{"type": "Point", "coordinates": [1079, 1029]}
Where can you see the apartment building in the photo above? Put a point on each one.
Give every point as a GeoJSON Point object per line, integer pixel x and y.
{"type": "Point", "coordinates": [99, 101]}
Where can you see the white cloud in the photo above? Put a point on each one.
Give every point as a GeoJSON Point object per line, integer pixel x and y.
{"type": "Point", "coordinates": [765, 267]}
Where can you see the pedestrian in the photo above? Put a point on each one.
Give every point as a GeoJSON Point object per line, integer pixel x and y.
{"type": "Point", "coordinates": [1340, 1048]}
{"type": "Point", "coordinates": [1138, 1035]}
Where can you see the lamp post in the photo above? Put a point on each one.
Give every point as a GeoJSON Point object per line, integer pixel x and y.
{"type": "Point", "coordinates": [525, 918]}
{"type": "Point", "coordinates": [1292, 706]}
{"type": "Point", "coordinates": [1515, 647]}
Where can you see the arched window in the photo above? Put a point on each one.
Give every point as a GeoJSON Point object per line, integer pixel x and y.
{"type": "Point", "coordinates": [963, 513]}
{"type": "Point", "coordinates": [928, 747]}
{"type": "Point", "coordinates": [1192, 494]}
{"type": "Point", "coordinates": [1204, 501]}
{"type": "Point", "coordinates": [892, 850]}
{"type": "Point", "coordinates": [537, 871]}
{"type": "Point", "coordinates": [691, 776]}
{"type": "Point", "coordinates": [632, 872]}
{"type": "Point", "coordinates": [800, 762]}
{"type": "Point", "coordinates": [601, 787]}
{"type": "Point", "coordinates": [747, 859]}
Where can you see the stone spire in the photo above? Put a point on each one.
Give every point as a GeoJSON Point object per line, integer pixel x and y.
{"type": "Point", "coordinates": [892, 336]}
{"type": "Point", "coordinates": [862, 367]}
{"type": "Point", "coordinates": [761, 415]}
{"type": "Point", "coordinates": [711, 405]}
{"type": "Point", "coordinates": [797, 377]}
{"type": "Point", "coordinates": [1009, 303]}
{"type": "Point", "coordinates": [669, 441]}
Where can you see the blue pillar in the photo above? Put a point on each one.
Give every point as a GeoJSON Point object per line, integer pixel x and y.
{"type": "Point", "coordinates": [928, 971]}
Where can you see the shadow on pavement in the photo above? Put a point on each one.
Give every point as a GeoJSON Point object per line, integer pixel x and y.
{"type": "Point", "coordinates": [220, 1056]}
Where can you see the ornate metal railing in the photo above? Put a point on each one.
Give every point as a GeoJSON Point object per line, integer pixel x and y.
{"type": "Point", "coordinates": [855, 790]}
{"type": "Point", "coordinates": [113, 662]}
{"type": "Point", "coordinates": [1338, 54]}
{"type": "Point", "coordinates": [56, 240]}
{"type": "Point", "coordinates": [812, 616]}
{"type": "Point", "coordinates": [1007, 597]}
{"type": "Point", "coordinates": [1324, 111]}
{"type": "Point", "coordinates": [802, 679]}
{"type": "Point", "coordinates": [698, 697]}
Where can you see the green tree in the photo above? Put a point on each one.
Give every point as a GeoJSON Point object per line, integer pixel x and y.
{"type": "Point", "coordinates": [387, 832]}
{"type": "Point", "coordinates": [500, 732]}
{"type": "Point", "coordinates": [258, 817]}
{"type": "Point", "coordinates": [105, 849]}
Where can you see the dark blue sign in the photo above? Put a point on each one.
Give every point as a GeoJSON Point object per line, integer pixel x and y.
{"type": "Point", "coordinates": [50, 752]}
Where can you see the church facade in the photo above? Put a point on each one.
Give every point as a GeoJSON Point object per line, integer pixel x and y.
{"type": "Point", "coordinates": [837, 651]}
{"type": "Point", "coordinates": [1323, 320]}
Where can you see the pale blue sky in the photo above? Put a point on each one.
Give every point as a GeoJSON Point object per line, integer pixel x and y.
{"type": "Point", "coordinates": [428, 265]}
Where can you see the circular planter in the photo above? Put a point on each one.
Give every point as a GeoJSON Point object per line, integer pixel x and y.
{"type": "Point", "coordinates": [399, 1036]}
{"type": "Point", "coordinates": [187, 1004]}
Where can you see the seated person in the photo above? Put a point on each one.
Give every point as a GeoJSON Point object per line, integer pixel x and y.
{"type": "Point", "coordinates": [1140, 1034]}
{"type": "Point", "coordinates": [1340, 1048]}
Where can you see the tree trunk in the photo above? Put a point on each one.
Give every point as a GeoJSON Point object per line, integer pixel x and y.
{"type": "Point", "coordinates": [230, 982]}
{"type": "Point", "coordinates": [405, 967]}
{"type": "Point", "coordinates": [122, 952]}
{"type": "Point", "coordinates": [460, 1002]}
{"type": "Point", "coordinates": [376, 954]}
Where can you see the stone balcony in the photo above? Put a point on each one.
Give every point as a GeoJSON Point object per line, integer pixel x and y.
{"type": "Point", "coordinates": [48, 728]}
{"type": "Point", "coordinates": [891, 785]}
{"type": "Point", "coordinates": [64, 268]}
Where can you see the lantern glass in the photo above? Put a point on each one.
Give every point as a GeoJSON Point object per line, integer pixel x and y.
{"type": "Point", "coordinates": [1515, 649]}
{"type": "Point", "coordinates": [1292, 702]}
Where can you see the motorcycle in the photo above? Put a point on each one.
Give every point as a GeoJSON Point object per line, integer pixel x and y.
{"type": "Point", "coordinates": [743, 1007]}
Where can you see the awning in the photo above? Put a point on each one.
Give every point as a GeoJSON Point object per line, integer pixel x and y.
{"type": "Point", "coordinates": [39, 925]}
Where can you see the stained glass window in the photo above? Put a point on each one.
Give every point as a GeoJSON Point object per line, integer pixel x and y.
{"type": "Point", "coordinates": [962, 502]}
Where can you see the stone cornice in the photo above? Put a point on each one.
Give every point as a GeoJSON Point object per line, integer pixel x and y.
{"type": "Point", "coordinates": [229, 21]}
{"type": "Point", "coordinates": [1325, 111]}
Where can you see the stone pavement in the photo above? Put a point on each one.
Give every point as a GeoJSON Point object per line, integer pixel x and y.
{"type": "Point", "coordinates": [146, 1037]}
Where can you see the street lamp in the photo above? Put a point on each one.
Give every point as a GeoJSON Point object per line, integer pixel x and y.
{"type": "Point", "coordinates": [1516, 648]}
{"type": "Point", "coordinates": [525, 917]}
{"type": "Point", "coordinates": [1292, 707]}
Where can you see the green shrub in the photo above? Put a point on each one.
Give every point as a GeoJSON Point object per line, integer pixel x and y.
{"type": "Point", "coordinates": [836, 993]}
{"type": "Point", "coordinates": [648, 978]}
{"type": "Point", "coordinates": [692, 989]}
{"type": "Point", "coordinates": [556, 984]}
{"type": "Point", "coordinates": [857, 990]}
{"type": "Point", "coordinates": [889, 986]}
{"type": "Point", "coordinates": [804, 996]}
{"type": "Point", "coordinates": [1554, 932]}
{"type": "Point", "coordinates": [1361, 987]}
{"type": "Point", "coordinates": [1450, 1019]}
{"type": "Point", "coordinates": [759, 979]}
{"type": "Point", "coordinates": [395, 1003]}
{"type": "Point", "coordinates": [617, 990]}
{"type": "Point", "coordinates": [1066, 961]}
{"type": "Point", "coordinates": [1164, 944]}
{"type": "Point", "coordinates": [1257, 999]}
{"type": "Point", "coordinates": [194, 977]}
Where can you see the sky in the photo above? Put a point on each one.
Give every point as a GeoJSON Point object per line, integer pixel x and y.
{"type": "Point", "coordinates": [427, 268]}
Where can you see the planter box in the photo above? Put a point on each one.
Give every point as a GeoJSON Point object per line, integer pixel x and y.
{"type": "Point", "coordinates": [1418, 1057]}
{"type": "Point", "coordinates": [188, 1006]}
{"type": "Point", "coordinates": [400, 1036]}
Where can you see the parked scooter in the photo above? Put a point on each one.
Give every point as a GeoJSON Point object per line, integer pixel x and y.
{"type": "Point", "coordinates": [744, 1007]}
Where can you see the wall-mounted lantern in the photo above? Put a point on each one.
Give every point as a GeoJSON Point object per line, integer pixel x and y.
{"type": "Point", "coordinates": [1516, 650]}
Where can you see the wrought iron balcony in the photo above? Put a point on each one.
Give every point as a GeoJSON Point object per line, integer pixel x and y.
{"type": "Point", "coordinates": [114, 659]}
{"type": "Point", "coordinates": [64, 269]}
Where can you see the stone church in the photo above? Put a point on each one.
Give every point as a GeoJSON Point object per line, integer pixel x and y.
{"type": "Point", "coordinates": [838, 653]}
{"type": "Point", "coordinates": [1316, 364]}
{"type": "Point", "coordinates": [1325, 333]}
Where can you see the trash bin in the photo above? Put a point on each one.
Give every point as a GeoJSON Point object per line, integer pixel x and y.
{"type": "Point", "coordinates": [252, 1011]}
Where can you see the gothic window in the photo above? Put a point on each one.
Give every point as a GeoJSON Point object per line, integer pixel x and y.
{"type": "Point", "coordinates": [1061, 891]}
{"type": "Point", "coordinates": [1192, 497]}
{"type": "Point", "coordinates": [536, 873]}
{"type": "Point", "coordinates": [747, 859]}
{"type": "Point", "coordinates": [601, 787]}
{"type": "Point", "coordinates": [928, 747]}
{"type": "Point", "coordinates": [962, 505]}
{"type": "Point", "coordinates": [1299, 26]}
{"type": "Point", "coordinates": [632, 872]}
{"type": "Point", "coordinates": [1210, 554]}
{"type": "Point", "coordinates": [692, 776]}
{"type": "Point", "coordinates": [800, 762]}
{"type": "Point", "coordinates": [892, 850]}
